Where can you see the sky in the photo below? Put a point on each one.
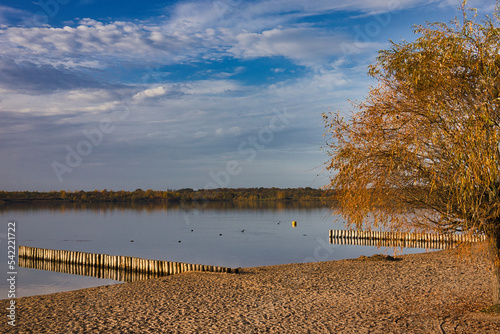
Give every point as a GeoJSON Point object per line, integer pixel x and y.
{"type": "Point", "coordinates": [120, 95]}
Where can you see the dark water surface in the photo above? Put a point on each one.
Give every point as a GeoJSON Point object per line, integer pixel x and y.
{"type": "Point", "coordinates": [221, 234]}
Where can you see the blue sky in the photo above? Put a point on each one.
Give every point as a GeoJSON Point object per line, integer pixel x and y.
{"type": "Point", "coordinates": [172, 94]}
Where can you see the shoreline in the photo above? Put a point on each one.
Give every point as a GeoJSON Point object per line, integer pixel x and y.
{"type": "Point", "coordinates": [435, 292]}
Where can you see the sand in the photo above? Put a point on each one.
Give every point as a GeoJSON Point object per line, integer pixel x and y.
{"type": "Point", "coordinates": [435, 292]}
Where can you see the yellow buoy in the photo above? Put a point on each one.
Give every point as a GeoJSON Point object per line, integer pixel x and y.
{"type": "Point", "coordinates": [294, 224]}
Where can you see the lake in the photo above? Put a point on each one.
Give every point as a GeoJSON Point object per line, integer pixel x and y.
{"type": "Point", "coordinates": [221, 234]}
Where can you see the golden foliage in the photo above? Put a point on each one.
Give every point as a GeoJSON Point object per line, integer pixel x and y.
{"type": "Point", "coordinates": [422, 151]}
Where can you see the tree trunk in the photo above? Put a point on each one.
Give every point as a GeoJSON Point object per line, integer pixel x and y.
{"type": "Point", "coordinates": [494, 252]}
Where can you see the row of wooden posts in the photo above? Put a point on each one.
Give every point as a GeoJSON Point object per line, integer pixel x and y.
{"type": "Point", "coordinates": [405, 236]}
{"type": "Point", "coordinates": [113, 262]}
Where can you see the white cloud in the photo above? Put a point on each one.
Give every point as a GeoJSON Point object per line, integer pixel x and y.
{"type": "Point", "coordinates": [150, 93]}
{"type": "Point", "coordinates": [107, 106]}
{"type": "Point", "coordinates": [78, 102]}
{"type": "Point", "coordinates": [125, 40]}
{"type": "Point", "coordinates": [308, 46]}
{"type": "Point", "coordinates": [199, 87]}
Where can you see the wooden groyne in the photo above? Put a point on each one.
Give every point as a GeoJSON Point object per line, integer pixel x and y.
{"type": "Point", "coordinates": [400, 239]}
{"type": "Point", "coordinates": [121, 268]}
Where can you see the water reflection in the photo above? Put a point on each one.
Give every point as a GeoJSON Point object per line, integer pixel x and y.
{"type": "Point", "coordinates": [102, 207]}
{"type": "Point", "coordinates": [428, 244]}
{"type": "Point", "coordinates": [83, 270]}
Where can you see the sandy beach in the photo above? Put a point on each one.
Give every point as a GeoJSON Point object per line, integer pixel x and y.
{"type": "Point", "coordinates": [435, 292]}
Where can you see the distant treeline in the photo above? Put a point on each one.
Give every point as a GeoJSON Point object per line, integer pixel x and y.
{"type": "Point", "coordinates": [174, 196]}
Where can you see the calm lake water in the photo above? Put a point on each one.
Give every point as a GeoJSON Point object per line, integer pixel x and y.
{"type": "Point", "coordinates": [243, 235]}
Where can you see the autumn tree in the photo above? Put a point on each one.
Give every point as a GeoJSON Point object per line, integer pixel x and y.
{"type": "Point", "coordinates": [422, 150]}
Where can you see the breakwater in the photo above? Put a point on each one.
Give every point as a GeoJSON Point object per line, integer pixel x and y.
{"type": "Point", "coordinates": [400, 239]}
{"type": "Point", "coordinates": [121, 268]}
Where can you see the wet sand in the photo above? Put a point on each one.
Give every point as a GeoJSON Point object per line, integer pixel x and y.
{"type": "Point", "coordinates": [435, 292]}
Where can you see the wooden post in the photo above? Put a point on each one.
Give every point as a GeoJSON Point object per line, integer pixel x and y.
{"type": "Point", "coordinates": [165, 269]}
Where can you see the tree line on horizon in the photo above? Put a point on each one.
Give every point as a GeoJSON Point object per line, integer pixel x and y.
{"type": "Point", "coordinates": [173, 196]}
